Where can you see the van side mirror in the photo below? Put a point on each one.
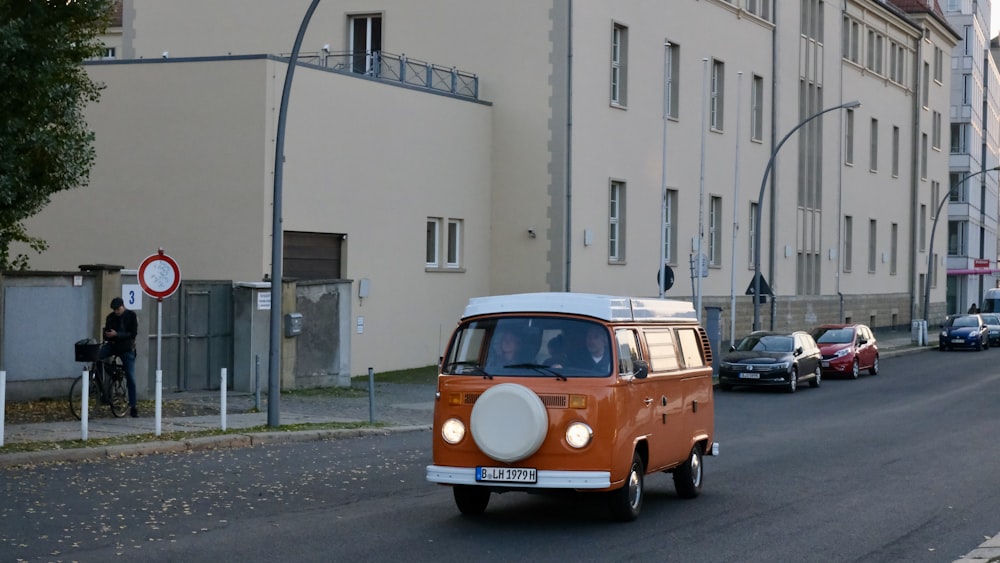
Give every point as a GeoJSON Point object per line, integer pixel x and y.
{"type": "Point", "coordinates": [640, 369]}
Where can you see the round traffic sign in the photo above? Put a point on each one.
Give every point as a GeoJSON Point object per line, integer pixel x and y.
{"type": "Point", "coordinates": [159, 275]}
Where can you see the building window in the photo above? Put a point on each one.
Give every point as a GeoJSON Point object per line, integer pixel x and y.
{"type": "Point", "coordinates": [966, 89]}
{"type": "Point", "coordinates": [454, 251]}
{"type": "Point", "coordinates": [934, 270]}
{"type": "Point", "coordinates": [938, 64]}
{"type": "Point", "coordinates": [873, 156]}
{"type": "Point", "coordinates": [897, 65]}
{"type": "Point", "coordinates": [895, 151]}
{"type": "Point", "coordinates": [893, 249]}
{"type": "Point", "coordinates": [619, 64]}
{"type": "Point", "coordinates": [752, 232]}
{"type": "Point", "coordinates": [923, 156]}
{"type": "Point", "coordinates": [936, 130]}
{"type": "Point", "coordinates": [876, 56]}
{"type": "Point", "coordinates": [757, 109]}
{"type": "Point", "coordinates": [616, 222]}
{"type": "Point", "coordinates": [444, 235]}
{"type": "Point", "coordinates": [925, 86]}
{"type": "Point", "coordinates": [848, 242]}
{"type": "Point", "coordinates": [673, 85]}
{"type": "Point", "coordinates": [957, 191]}
{"type": "Point", "coordinates": [715, 231]}
{"type": "Point", "coordinates": [669, 240]}
{"type": "Point", "coordinates": [872, 245]}
{"type": "Point", "coordinates": [849, 141]}
{"type": "Point", "coordinates": [760, 8]}
{"type": "Point", "coordinates": [717, 95]}
{"type": "Point", "coordinates": [959, 138]}
{"type": "Point", "coordinates": [433, 242]}
{"type": "Point", "coordinates": [935, 197]}
{"type": "Point", "coordinates": [366, 41]}
{"type": "Point", "coordinates": [956, 238]}
{"type": "Point", "coordinates": [923, 227]}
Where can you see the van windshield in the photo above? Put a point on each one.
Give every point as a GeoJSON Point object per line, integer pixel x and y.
{"type": "Point", "coordinates": [530, 346]}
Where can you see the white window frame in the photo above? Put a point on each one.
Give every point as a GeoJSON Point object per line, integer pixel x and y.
{"type": "Point", "coordinates": [757, 108]}
{"type": "Point", "coordinates": [848, 242]}
{"type": "Point", "coordinates": [616, 222]}
{"type": "Point", "coordinates": [715, 231]}
{"type": "Point", "coordinates": [895, 151]}
{"type": "Point", "coordinates": [717, 95]}
{"type": "Point", "coordinates": [872, 246]}
{"type": "Point", "coordinates": [673, 83]}
{"type": "Point", "coordinates": [753, 229]}
{"type": "Point", "coordinates": [668, 235]}
{"type": "Point", "coordinates": [893, 247]}
{"type": "Point", "coordinates": [619, 65]}
{"type": "Point", "coordinates": [873, 150]}
{"type": "Point", "coordinates": [453, 248]}
{"type": "Point", "coordinates": [849, 141]}
{"type": "Point", "coordinates": [433, 242]}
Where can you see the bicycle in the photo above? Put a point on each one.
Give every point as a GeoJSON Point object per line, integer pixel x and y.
{"type": "Point", "coordinates": [107, 382]}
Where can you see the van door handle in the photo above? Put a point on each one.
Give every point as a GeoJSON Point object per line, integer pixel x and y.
{"type": "Point", "coordinates": [648, 401]}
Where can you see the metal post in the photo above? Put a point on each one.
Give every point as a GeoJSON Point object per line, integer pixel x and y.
{"type": "Point", "coordinates": [663, 177]}
{"type": "Point", "coordinates": [930, 247]}
{"type": "Point", "coordinates": [3, 401]}
{"type": "Point", "coordinates": [736, 222]}
{"type": "Point", "coordinates": [274, 355]}
{"type": "Point", "coordinates": [760, 208]}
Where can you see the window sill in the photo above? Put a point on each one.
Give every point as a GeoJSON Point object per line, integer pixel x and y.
{"type": "Point", "coordinates": [436, 270]}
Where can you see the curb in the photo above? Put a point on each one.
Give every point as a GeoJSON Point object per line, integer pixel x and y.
{"type": "Point", "coordinates": [203, 443]}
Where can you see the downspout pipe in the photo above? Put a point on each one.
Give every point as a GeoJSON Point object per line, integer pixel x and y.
{"type": "Point", "coordinates": [568, 234]}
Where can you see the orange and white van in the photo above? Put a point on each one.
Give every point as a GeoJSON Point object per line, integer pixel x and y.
{"type": "Point", "coordinates": [544, 391]}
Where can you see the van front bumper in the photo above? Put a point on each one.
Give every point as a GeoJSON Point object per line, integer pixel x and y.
{"type": "Point", "coordinates": [547, 479]}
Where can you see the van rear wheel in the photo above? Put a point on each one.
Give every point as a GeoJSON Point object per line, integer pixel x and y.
{"type": "Point", "coordinates": [471, 500]}
{"type": "Point", "coordinates": [687, 477]}
{"type": "Point", "coordinates": [626, 502]}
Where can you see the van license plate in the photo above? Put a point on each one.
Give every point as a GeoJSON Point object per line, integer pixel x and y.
{"type": "Point", "coordinates": [507, 474]}
{"type": "Point", "coordinates": [749, 376]}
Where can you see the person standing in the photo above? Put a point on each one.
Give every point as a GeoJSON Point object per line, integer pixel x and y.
{"type": "Point", "coordinates": [120, 329]}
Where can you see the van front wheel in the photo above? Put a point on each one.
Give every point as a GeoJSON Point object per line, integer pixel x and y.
{"type": "Point", "coordinates": [687, 477]}
{"type": "Point", "coordinates": [626, 502]}
{"type": "Point", "coordinates": [471, 500]}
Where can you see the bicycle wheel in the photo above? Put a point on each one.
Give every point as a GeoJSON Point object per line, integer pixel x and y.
{"type": "Point", "coordinates": [117, 392]}
{"type": "Point", "coordinates": [75, 402]}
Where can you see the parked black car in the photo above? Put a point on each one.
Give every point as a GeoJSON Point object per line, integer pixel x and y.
{"type": "Point", "coordinates": [772, 358]}
{"type": "Point", "coordinates": [964, 331]}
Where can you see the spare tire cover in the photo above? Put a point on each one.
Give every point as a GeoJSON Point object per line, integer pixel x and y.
{"type": "Point", "coordinates": [509, 422]}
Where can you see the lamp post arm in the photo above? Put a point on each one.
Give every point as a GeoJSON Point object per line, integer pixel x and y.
{"type": "Point", "coordinates": [930, 246]}
{"type": "Point", "coordinates": [760, 207]}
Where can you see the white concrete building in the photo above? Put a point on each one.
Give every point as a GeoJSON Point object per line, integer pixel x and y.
{"type": "Point", "coordinates": [552, 177]}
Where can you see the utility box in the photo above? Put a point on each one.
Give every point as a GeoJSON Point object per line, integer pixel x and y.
{"type": "Point", "coordinates": [293, 324]}
{"type": "Point", "coordinates": [251, 335]}
{"type": "Point", "coordinates": [713, 326]}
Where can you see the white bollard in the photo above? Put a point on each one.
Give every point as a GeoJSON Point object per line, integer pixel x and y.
{"type": "Point", "coordinates": [84, 404]}
{"type": "Point", "coordinates": [159, 398]}
{"type": "Point", "coordinates": [222, 397]}
{"type": "Point", "coordinates": [3, 402]}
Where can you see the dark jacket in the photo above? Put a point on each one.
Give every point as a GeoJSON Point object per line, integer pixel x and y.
{"type": "Point", "coordinates": [127, 326]}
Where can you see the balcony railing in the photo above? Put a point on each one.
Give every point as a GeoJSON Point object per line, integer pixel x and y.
{"type": "Point", "coordinates": [397, 68]}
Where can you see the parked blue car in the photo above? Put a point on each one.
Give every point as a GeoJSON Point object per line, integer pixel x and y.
{"type": "Point", "coordinates": [964, 331]}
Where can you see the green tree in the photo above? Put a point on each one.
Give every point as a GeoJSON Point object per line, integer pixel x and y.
{"type": "Point", "coordinates": [45, 144]}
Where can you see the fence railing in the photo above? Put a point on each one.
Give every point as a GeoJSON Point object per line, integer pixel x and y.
{"type": "Point", "coordinates": [397, 68]}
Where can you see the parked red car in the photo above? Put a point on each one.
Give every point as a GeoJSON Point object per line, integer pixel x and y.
{"type": "Point", "coordinates": [847, 349]}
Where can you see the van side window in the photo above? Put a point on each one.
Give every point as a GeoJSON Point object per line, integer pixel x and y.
{"type": "Point", "coordinates": [628, 351]}
{"type": "Point", "coordinates": [662, 356]}
{"type": "Point", "coordinates": [690, 347]}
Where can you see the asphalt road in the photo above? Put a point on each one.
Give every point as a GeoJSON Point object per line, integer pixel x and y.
{"type": "Point", "coordinates": [902, 466]}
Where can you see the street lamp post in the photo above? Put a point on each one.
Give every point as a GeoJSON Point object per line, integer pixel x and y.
{"type": "Point", "coordinates": [930, 247]}
{"type": "Point", "coordinates": [760, 206]}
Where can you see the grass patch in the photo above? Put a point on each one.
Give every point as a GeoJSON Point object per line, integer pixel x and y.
{"type": "Point", "coordinates": [178, 436]}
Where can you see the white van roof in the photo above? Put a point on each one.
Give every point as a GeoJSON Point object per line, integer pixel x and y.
{"type": "Point", "coordinates": [606, 307]}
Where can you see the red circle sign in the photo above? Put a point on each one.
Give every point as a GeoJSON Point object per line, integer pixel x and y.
{"type": "Point", "coordinates": [159, 275]}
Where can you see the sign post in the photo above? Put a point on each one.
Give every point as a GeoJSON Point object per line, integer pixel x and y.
{"type": "Point", "coordinates": [159, 277]}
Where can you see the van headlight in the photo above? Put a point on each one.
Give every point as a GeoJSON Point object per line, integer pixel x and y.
{"type": "Point", "coordinates": [452, 431]}
{"type": "Point", "coordinates": [578, 435]}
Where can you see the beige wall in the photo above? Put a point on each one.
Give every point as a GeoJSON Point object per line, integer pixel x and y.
{"type": "Point", "coordinates": [185, 162]}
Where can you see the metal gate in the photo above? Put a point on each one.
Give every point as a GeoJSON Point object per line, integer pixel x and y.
{"type": "Point", "coordinates": [197, 336]}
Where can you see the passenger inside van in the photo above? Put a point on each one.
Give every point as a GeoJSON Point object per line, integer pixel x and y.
{"type": "Point", "coordinates": [507, 351]}
{"type": "Point", "coordinates": [596, 357]}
